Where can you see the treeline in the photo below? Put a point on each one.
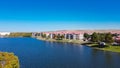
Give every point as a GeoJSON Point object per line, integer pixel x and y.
{"type": "Point", "coordinates": [20, 35]}
{"type": "Point", "coordinates": [8, 60]}
{"type": "Point", "coordinates": [100, 37]}
{"type": "Point", "coordinates": [55, 36]}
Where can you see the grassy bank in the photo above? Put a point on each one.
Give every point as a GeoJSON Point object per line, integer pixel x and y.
{"type": "Point", "coordinates": [108, 47]}
{"type": "Point", "coordinates": [112, 48]}
{"type": "Point", "coordinates": [63, 40]}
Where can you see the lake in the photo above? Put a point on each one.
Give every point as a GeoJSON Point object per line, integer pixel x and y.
{"type": "Point", "coordinates": [35, 53]}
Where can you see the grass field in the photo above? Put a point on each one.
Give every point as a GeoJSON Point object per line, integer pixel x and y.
{"type": "Point", "coordinates": [112, 48]}
{"type": "Point", "coordinates": [107, 48]}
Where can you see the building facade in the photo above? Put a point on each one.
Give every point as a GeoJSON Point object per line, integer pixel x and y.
{"type": "Point", "coordinates": [64, 35]}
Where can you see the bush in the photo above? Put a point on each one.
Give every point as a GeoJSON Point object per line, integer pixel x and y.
{"type": "Point", "coordinates": [8, 60]}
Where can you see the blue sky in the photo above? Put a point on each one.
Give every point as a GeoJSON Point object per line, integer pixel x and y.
{"type": "Point", "coordinates": [50, 15]}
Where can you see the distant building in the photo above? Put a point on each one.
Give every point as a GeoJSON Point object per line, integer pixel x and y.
{"type": "Point", "coordinates": [66, 35]}
{"type": "Point", "coordinates": [76, 34]}
{"type": "Point", "coordinates": [4, 33]}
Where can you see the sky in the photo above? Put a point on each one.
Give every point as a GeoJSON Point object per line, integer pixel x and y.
{"type": "Point", "coordinates": [51, 15]}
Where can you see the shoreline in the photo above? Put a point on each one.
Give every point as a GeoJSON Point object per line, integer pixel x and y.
{"type": "Point", "coordinates": [63, 40]}
{"type": "Point", "coordinates": [109, 48]}
{"type": "Point", "coordinates": [83, 43]}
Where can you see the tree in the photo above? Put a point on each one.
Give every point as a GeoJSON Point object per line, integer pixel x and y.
{"type": "Point", "coordinates": [58, 37]}
{"type": "Point", "coordinates": [109, 38]}
{"type": "Point", "coordinates": [62, 36]}
{"type": "Point", "coordinates": [102, 37]}
{"type": "Point", "coordinates": [44, 35]}
{"type": "Point", "coordinates": [86, 36]}
{"type": "Point", "coordinates": [54, 36]}
{"type": "Point", "coordinates": [94, 37]}
{"type": "Point", "coordinates": [8, 60]}
{"type": "Point", "coordinates": [115, 35]}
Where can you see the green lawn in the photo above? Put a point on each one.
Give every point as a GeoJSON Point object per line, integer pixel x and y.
{"type": "Point", "coordinates": [107, 48]}
{"type": "Point", "coordinates": [112, 48]}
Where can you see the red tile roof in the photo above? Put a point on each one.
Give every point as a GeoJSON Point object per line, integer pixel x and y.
{"type": "Point", "coordinates": [83, 31]}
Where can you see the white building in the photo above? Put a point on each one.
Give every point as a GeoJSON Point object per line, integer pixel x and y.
{"type": "Point", "coordinates": [4, 33]}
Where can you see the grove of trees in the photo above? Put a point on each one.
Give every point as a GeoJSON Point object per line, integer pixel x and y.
{"type": "Point", "coordinates": [55, 36]}
{"type": "Point", "coordinates": [100, 37]}
{"type": "Point", "coordinates": [17, 34]}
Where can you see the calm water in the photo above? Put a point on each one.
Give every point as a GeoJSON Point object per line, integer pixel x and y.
{"type": "Point", "coordinates": [33, 53]}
